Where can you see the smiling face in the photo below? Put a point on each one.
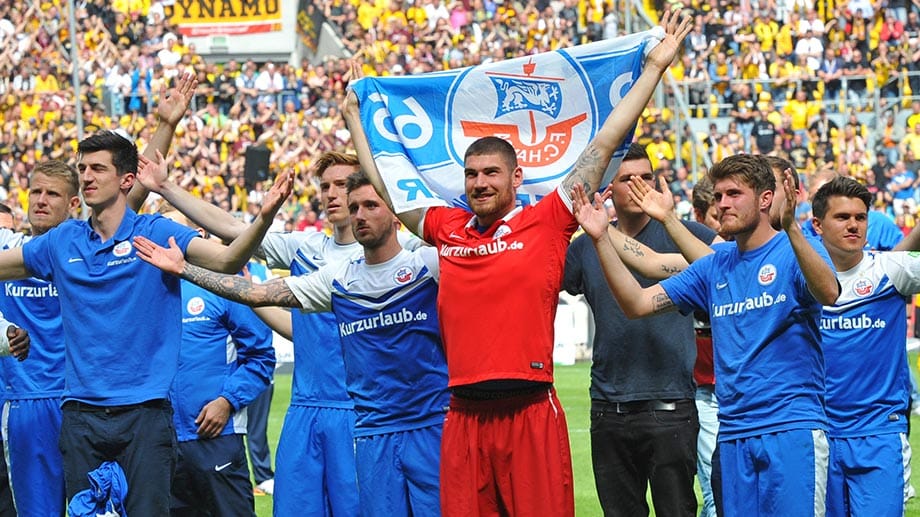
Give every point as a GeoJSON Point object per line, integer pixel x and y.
{"type": "Point", "coordinates": [843, 227]}
{"type": "Point", "coordinates": [490, 185]}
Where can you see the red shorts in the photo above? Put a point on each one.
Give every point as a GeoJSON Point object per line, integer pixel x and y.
{"type": "Point", "coordinates": [506, 457]}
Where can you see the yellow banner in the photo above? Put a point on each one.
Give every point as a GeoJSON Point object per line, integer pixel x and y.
{"type": "Point", "coordinates": [202, 17]}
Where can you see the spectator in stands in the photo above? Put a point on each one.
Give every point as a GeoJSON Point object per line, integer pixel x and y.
{"type": "Point", "coordinates": [763, 134]}
{"type": "Point", "coordinates": [822, 129]}
{"type": "Point", "coordinates": [888, 136]}
{"type": "Point", "coordinates": [811, 48]}
{"type": "Point", "coordinates": [881, 171]}
{"type": "Point", "coordinates": [855, 71]}
{"type": "Point", "coordinates": [911, 141]}
{"type": "Point", "coordinates": [903, 189]}
{"type": "Point", "coordinates": [721, 72]}
{"type": "Point", "coordinates": [892, 29]}
{"type": "Point", "coordinates": [742, 112]}
{"type": "Point", "coordinates": [830, 71]}
{"type": "Point", "coordinates": [783, 73]}
{"type": "Point", "coordinates": [697, 75]}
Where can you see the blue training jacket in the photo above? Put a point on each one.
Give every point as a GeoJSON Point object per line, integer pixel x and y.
{"type": "Point", "coordinates": [226, 351]}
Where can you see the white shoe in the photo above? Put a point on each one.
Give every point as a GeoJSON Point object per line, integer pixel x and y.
{"type": "Point", "coordinates": [267, 486]}
{"type": "Point", "coordinates": [911, 493]}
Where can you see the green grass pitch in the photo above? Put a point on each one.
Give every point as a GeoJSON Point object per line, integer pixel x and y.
{"type": "Point", "coordinates": [572, 386]}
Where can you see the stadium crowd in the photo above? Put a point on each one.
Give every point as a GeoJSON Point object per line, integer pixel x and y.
{"type": "Point", "coordinates": [793, 79]}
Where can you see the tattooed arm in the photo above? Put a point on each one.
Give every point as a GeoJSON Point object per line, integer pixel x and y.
{"type": "Point", "coordinates": [231, 287]}
{"type": "Point", "coordinates": [239, 289]}
{"type": "Point", "coordinates": [635, 300]}
{"type": "Point", "coordinates": [644, 260]}
{"type": "Point", "coordinates": [590, 167]}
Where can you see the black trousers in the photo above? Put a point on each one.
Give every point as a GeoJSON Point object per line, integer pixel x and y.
{"type": "Point", "coordinates": [632, 447]}
{"type": "Point", "coordinates": [212, 479]}
{"type": "Point", "coordinates": [141, 438]}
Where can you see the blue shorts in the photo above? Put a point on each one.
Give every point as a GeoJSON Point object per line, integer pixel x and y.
{"type": "Point", "coordinates": [31, 429]}
{"type": "Point", "coordinates": [398, 472]}
{"type": "Point", "coordinates": [867, 476]}
{"type": "Point", "coordinates": [782, 474]}
{"type": "Point", "coordinates": [315, 463]}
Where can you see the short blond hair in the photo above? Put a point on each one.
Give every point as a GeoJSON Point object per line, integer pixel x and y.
{"type": "Point", "coordinates": [58, 169]}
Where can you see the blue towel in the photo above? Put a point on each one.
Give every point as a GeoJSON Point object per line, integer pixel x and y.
{"type": "Point", "coordinates": [106, 495]}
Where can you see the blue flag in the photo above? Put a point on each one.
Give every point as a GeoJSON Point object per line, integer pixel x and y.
{"type": "Point", "coordinates": [548, 106]}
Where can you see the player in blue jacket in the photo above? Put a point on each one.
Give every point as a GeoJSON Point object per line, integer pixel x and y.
{"type": "Point", "coordinates": [225, 361]}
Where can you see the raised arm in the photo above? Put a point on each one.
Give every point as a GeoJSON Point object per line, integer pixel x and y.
{"type": "Point", "coordinates": [821, 279]}
{"type": "Point", "coordinates": [640, 258]}
{"type": "Point", "coordinates": [352, 116]}
{"type": "Point", "coordinates": [644, 260]}
{"type": "Point", "coordinates": [213, 219]}
{"type": "Point", "coordinates": [232, 258]}
{"type": "Point", "coordinates": [590, 167]}
{"type": "Point", "coordinates": [231, 287]}
{"type": "Point", "coordinates": [634, 300]}
{"type": "Point", "coordinates": [660, 206]}
{"type": "Point", "coordinates": [170, 110]}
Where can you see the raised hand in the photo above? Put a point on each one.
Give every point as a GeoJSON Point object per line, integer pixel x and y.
{"type": "Point", "coordinates": [676, 26]}
{"type": "Point", "coordinates": [593, 218]}
{"type": "Point", "coordinates": [275, 197]}
{"type": "Point", "coordinates": [152, 174]}
{"type": "Point", "coordinates": [170, 260]}
{"type": "Point", "coordinates": [19, 342]}
{"type": "Point", "coordinates": [174, 102]}
{"type": "Point", "coordinates": [789, 204]}
{"type": "Point", "coordinates": [350, 104]}
{"type": "Point", "coordinates": [658, 205]}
